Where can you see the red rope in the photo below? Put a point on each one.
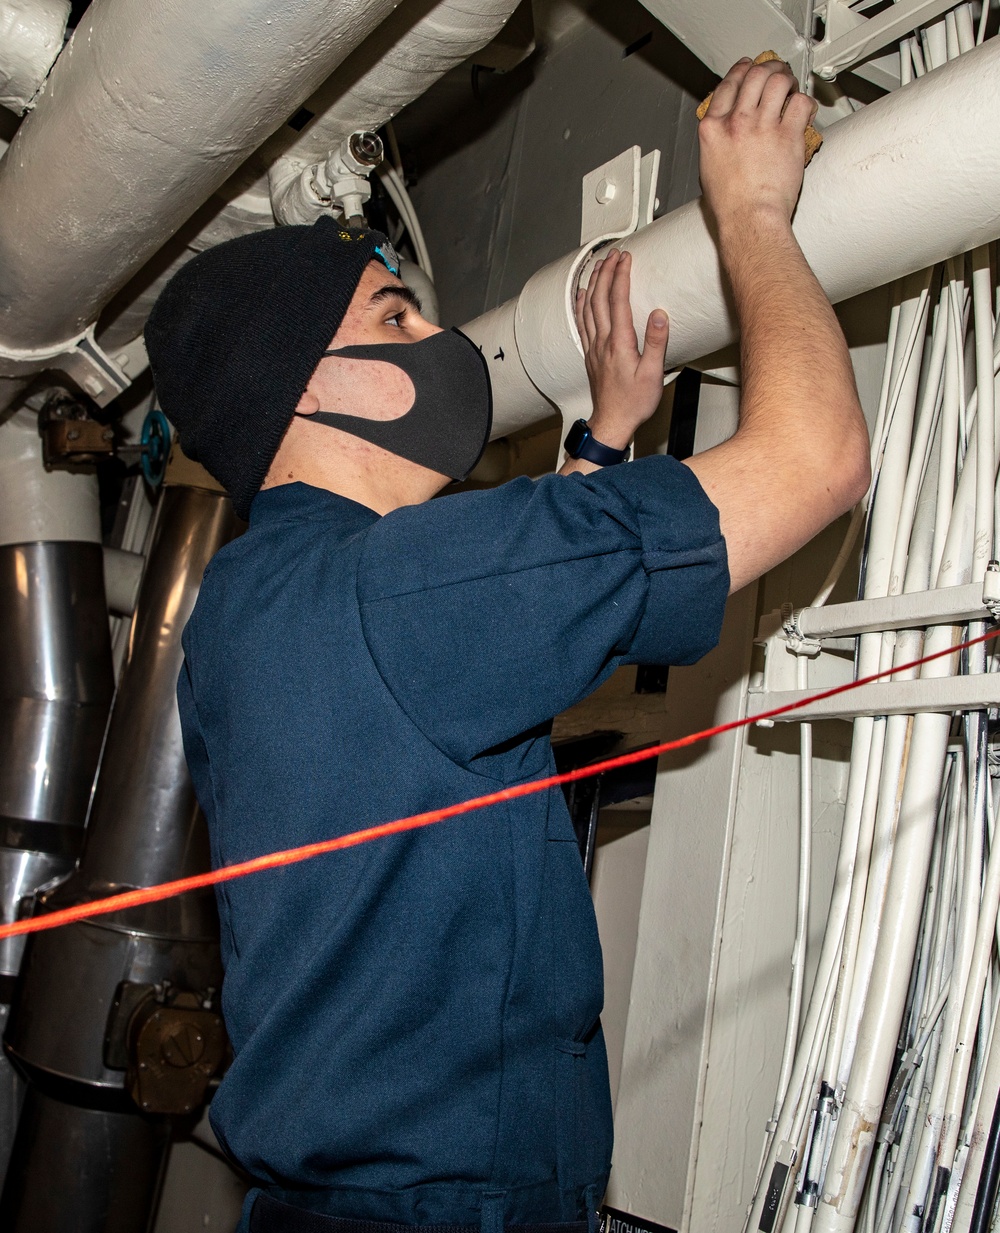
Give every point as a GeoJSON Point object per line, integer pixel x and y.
{"type": "Point", "coordinates": [291, 856]}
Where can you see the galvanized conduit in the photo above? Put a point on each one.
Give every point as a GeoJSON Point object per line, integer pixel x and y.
{"type": "Point", "coordinates": [56, 684]}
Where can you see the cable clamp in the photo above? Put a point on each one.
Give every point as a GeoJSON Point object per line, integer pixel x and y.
{"type": "Point", "coordinates": [795, 640]}
{"type": "Point", "coordinates": [991, 589]}
{"type": "Point", "coordinates": [787, 1153]}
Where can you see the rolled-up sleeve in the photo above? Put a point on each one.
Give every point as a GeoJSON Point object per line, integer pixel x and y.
{"type": "Point", "coordinates": [487, 613]}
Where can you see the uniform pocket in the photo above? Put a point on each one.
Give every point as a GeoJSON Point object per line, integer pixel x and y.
{"type": "Point", "coordinates": [570, 1065]}
{"type": "Point", "coordinates": [583, 1113]}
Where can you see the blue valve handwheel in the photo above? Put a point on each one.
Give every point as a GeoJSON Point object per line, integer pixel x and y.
{"type": "Point", "coordinates": [155, 442]}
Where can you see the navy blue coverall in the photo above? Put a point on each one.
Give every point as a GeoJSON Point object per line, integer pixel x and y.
{"type": "Point", "coordinates": [416, 1021]}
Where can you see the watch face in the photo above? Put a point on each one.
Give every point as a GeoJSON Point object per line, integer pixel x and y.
{"type": "Point", "coordinates": [576, 437]}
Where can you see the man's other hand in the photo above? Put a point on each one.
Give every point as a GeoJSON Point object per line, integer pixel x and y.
{"type": "Point", "coordinates": [753, 142]}
{"type": "Point", "coordinates": [625, 385]}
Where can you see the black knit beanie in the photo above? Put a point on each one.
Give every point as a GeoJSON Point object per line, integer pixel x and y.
{"type": "Point", "coordinates": [238, 331]}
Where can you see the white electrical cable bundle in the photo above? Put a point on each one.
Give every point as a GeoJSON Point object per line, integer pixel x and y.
{"type": "Point", "coordinates": [884, 1105]}
{"type": "Point", "coordinates": [400, 198]}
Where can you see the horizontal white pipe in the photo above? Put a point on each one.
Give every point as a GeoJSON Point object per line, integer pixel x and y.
{"type": "Point", "coordinates": [946, 606]}
{"type": "Point", "coordinates": [31, 36]}
{"type": "Point", "coordinates": [147, 111]}
{"type": "Point", "coordinates": [906, 182]}
{"type": "Point", "coordinates": [391, 68]}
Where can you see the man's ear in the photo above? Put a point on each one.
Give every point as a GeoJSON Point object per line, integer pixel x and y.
{"type": "Point", "coordinates": [308, 404]}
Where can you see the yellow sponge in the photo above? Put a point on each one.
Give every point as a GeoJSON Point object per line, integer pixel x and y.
{"type": "Point", "coordinates": [813, 139]}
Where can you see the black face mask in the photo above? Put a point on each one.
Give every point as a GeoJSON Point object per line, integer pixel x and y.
{"type": "Point", "coordinates": [448, 425]}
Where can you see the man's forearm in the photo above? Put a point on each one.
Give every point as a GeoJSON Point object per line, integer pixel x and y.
{"type": "Point", "coordinates": [800, 455]}
{"type": "Point", "coordinates": [795, 368]}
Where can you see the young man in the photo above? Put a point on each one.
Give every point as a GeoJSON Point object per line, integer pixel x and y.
{"type": "Point", "coordinates": [416, 1022]}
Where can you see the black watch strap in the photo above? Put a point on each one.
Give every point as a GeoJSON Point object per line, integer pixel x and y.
{"type": "Point", "coordinates": [581, 444]}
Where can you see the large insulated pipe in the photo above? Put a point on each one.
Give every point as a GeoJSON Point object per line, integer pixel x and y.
{"type": "Point", "coordinates": [390, 69]}
{"type": "Point", "coordinates": [90, 1143]}
{"type": "Point", "coordinates": [31, 36]}
{"type": "Point", "coordinates": [56, 684]}
{"type": "Point", "coordinates": [404, 56]}
{"type": "Point", "coordinates": [146, 112]}
{"type": "Point", "coordinates": [908, 181]}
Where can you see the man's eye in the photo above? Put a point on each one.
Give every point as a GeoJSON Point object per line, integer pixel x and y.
{"type": "Point", "coordinates": [396, 319]}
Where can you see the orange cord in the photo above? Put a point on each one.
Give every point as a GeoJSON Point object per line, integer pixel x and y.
{"type": "Point", "coordinates": [291, 856]}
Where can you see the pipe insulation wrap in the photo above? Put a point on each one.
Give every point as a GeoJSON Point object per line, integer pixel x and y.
{"type": "Point", "coordinates": [392, 68]}
{"type": "Point", "coordinates": [908, 181]}
{"type": "Point", "coordinates": [31, 36]}
{"type": "Point", "coordinates": [146, 113]}
{"type": "Point", "coordinates": [389, 70]}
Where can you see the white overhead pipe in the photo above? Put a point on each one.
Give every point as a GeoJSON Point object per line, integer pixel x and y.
{"type": "Point", "coordinates": [909, 181]}
{"type": "Point", "coordinates": [147, 111]}
{"type": "Point", "coordinates": [31, 36]}
{"type": "Point", "coordinates": [390, 69]}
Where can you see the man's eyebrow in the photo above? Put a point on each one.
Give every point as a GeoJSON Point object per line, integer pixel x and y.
{"type": "Point", "coordinates": [393, 292]}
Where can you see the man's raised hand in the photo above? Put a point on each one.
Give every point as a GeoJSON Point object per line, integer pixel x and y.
{"type": "Point", "coordinates": [753, 142]}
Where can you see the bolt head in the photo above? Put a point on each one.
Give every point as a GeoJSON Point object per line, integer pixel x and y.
{"type": "Point", "coordinates": [606, 191]}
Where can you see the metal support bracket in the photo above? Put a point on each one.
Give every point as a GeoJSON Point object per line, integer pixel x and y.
{"type": "Point", "coordinates": [827, 636]}
{"type": "Point", "coordinates": [82, 360]}
{"type": "Point", "coordinates": [944, 695]}
{"type": "Point", "coordinates": [851, 38]}
{"type": "Point", "coordinates": [619, 197]}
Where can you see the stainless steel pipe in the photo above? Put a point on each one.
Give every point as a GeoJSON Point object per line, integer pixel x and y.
{"type": "Point", "coordinates": [66, 1029]}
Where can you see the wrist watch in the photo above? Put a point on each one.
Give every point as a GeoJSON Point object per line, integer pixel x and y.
{"type": "Point", "coordinates": [581, 444]}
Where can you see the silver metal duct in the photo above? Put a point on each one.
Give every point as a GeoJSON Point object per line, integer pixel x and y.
{"type": "Point", "coordinates": [73, 1023]}
{"type": "Point", "coordinates": [56, 685]}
